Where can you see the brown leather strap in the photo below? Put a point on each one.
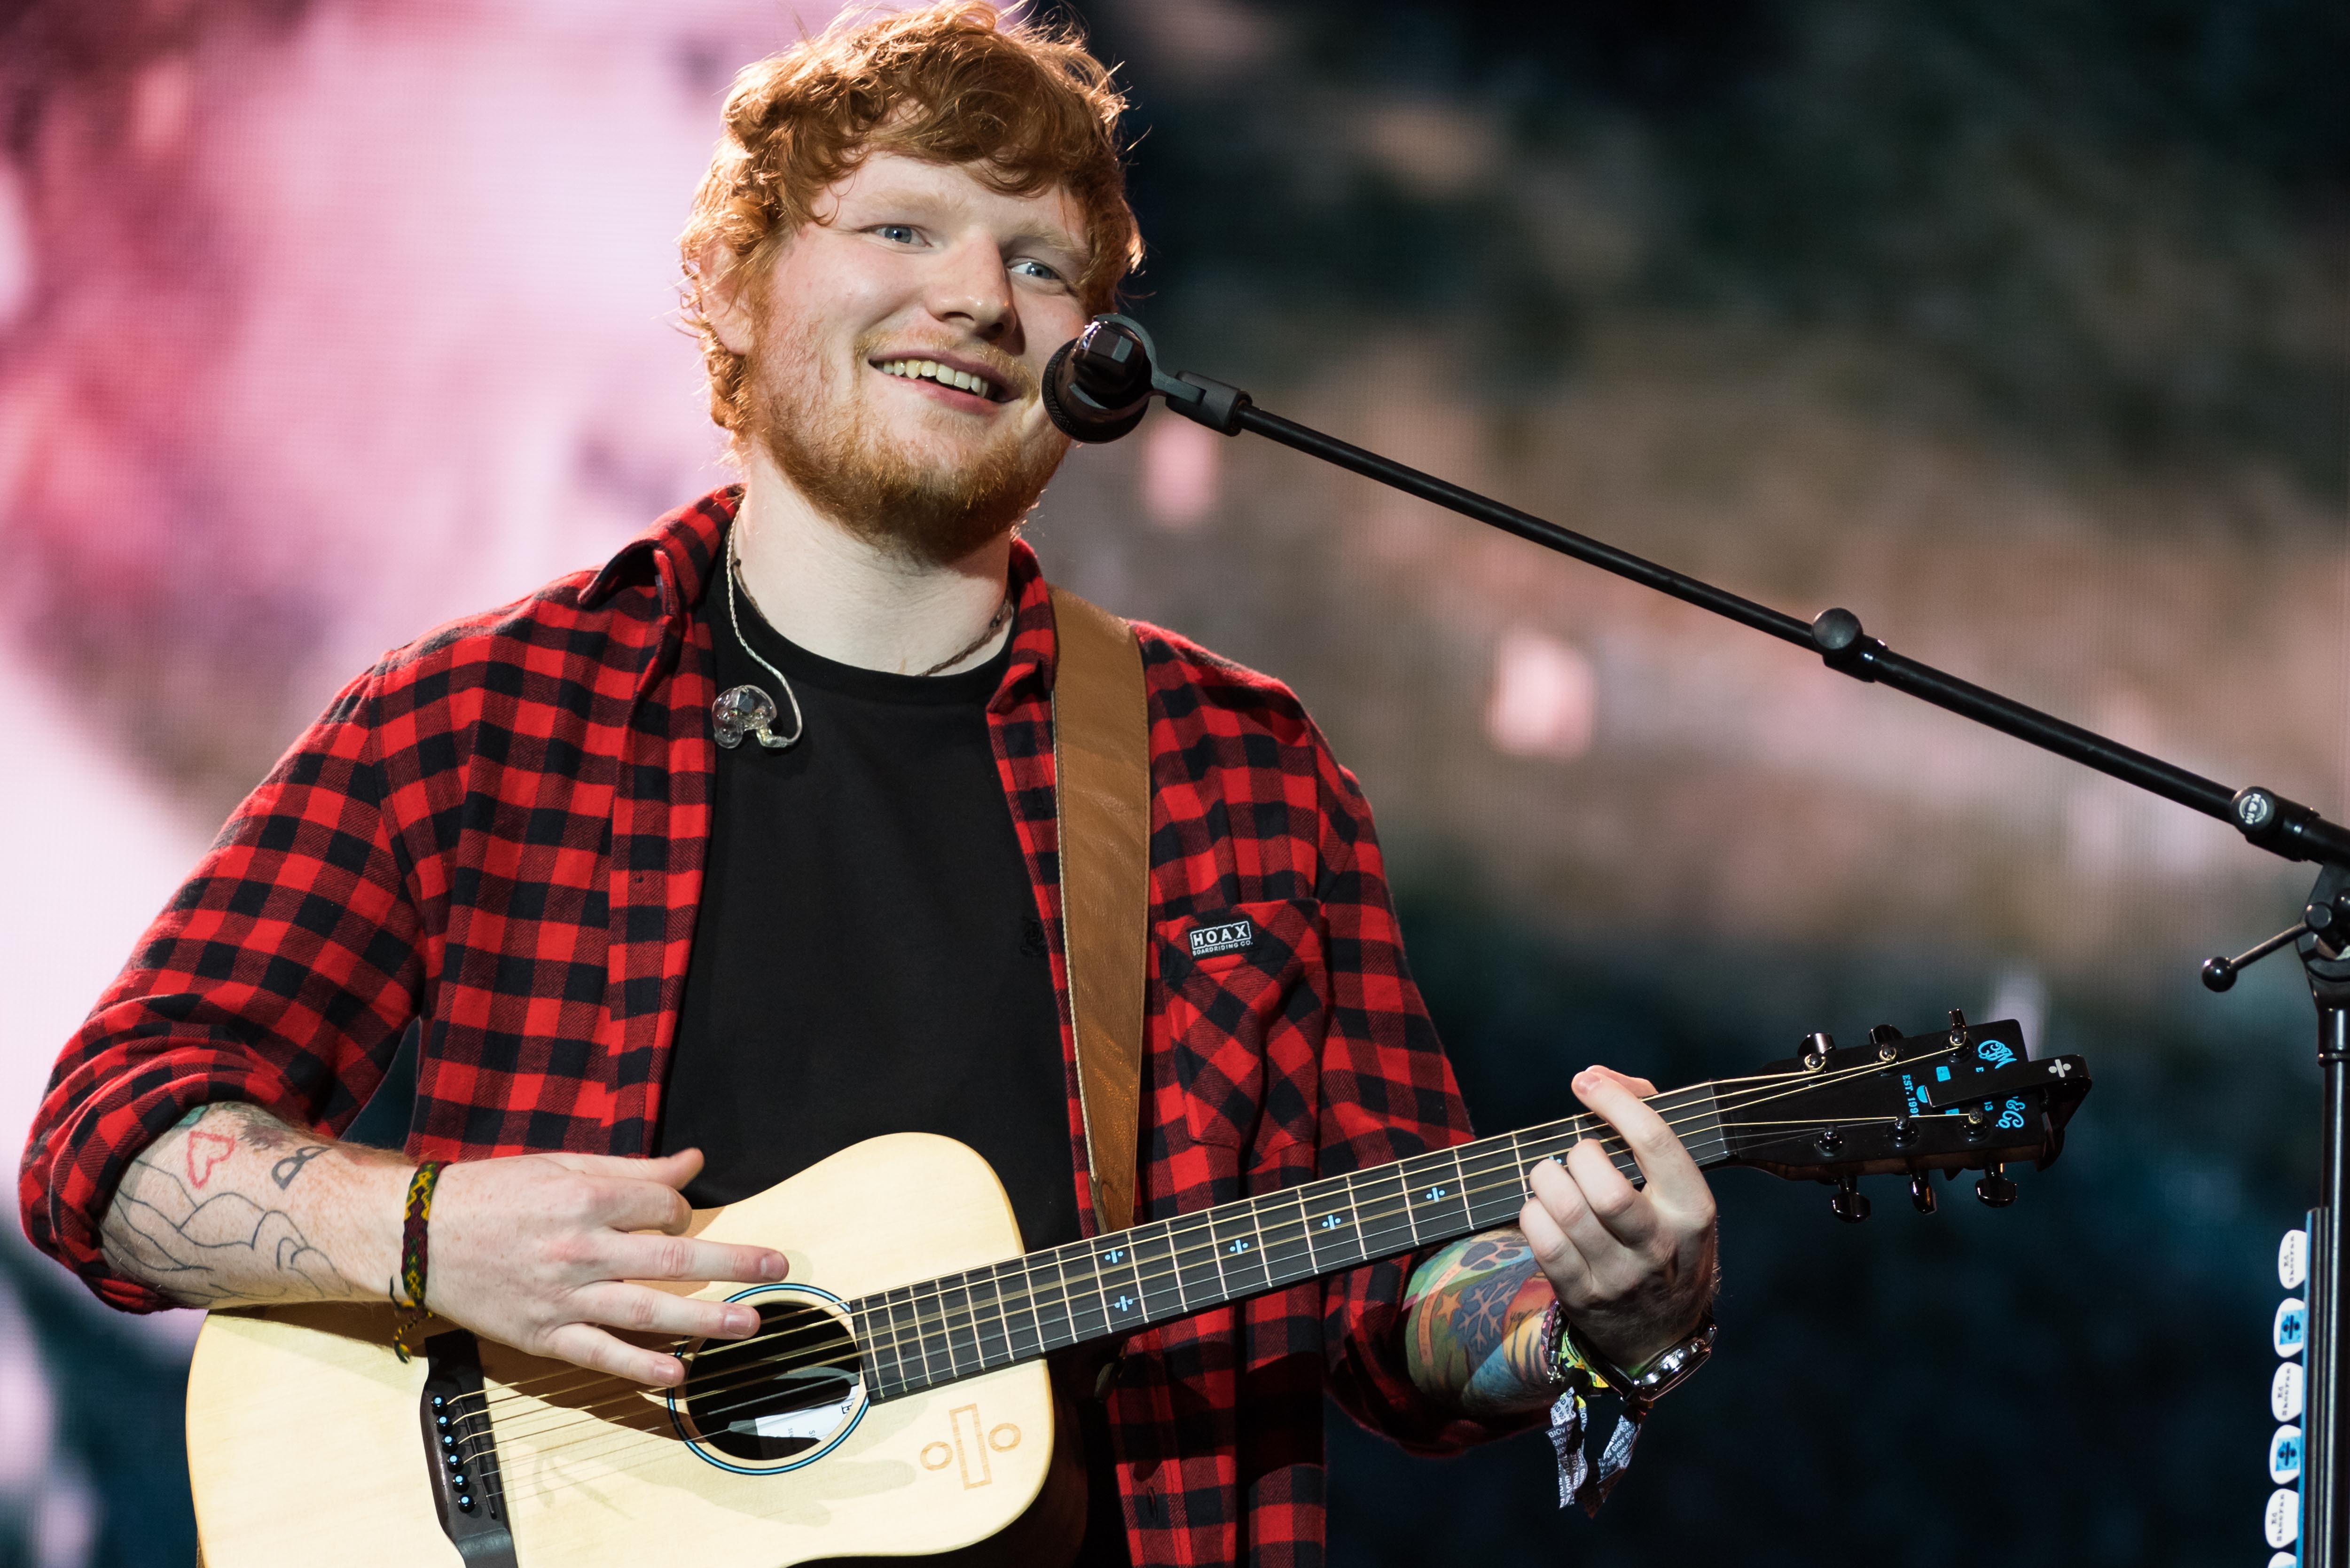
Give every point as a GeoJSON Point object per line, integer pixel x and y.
{"type": "Point", "coordinates": [1101, 749]}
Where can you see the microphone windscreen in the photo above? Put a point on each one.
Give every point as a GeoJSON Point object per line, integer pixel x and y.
{"type": "Point", "coordinates": [1097, 387]}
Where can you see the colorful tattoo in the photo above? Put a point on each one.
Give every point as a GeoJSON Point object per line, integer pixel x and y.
{"type": "Point", "coordinates": [1473, 1333]}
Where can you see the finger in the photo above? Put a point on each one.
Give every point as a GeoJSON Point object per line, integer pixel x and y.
{"type": "Point", "coordinates": [639, 1257]}
{"type": "Point", "coordinates": [1623, 1216]}
{"type": "Point", "coordinates": [1640, 1087]}
{"type": "Point", "coordinates": [1562, 1264]}
{"type": "Point", "coordinates": [642, 1205]}
{"type": "Point", "coordinates": [641, 1310]}
{"type": "Point", "coordinates": [1672, 1176]}
{"type": "Point", "coordinates": [583, 1345]}
{"type": "Point", "coordinates": [668, 1169]}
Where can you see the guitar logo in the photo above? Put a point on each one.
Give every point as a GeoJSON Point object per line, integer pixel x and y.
{"type": "Point", "coordinates": [969, 1449]}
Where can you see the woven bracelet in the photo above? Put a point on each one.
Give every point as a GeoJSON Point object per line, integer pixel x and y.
{"type": "Point", "coordinates": [408, 1291]}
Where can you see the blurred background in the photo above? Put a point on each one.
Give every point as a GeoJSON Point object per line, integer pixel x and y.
{"type": "Point", "coordinates": [2019, 327]}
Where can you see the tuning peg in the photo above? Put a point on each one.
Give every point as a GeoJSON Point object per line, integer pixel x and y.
{"type": "Point", "coordinates": [1884, 1036]}
{"type": "Point", "coordinates": [1921, 1193]}
{"type": "Point", "coordinates": [1848, 1205]}
{"type": "Point", "coordinates": [1816, 1047]}
{"type": "Point", "coordinates": [1995, 1188]}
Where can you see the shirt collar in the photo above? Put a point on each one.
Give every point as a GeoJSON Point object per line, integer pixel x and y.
{"type": "Point", "coordinates": [691, 540]}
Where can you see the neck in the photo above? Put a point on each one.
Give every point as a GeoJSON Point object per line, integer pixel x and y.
{"type": "Point", "coordinates": [840, 595]}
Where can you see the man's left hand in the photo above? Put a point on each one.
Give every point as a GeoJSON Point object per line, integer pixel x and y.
{"type": "Point", "coordinates": [1633, 1267]}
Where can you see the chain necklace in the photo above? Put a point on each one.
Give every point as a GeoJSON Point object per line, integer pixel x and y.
{"type": "Point", "coordinates": [746, 710]}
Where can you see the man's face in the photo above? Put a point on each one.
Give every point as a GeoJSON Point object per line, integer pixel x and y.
{"type": "Point", "coordinates": [911, 264]}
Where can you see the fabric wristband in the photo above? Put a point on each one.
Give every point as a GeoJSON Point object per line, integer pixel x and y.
{"type": "Point", "coordinates": [415, 1255]}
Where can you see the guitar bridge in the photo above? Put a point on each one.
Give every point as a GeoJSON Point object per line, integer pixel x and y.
{"type": "Point", "coordinates": [460, 1452]}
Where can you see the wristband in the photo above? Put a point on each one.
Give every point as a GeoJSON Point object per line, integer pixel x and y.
{"type": "Point", "coordinates": [415, 1239]}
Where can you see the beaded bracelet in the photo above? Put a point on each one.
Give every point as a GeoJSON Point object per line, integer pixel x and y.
{"type": "Point", "coordinates": [408, 1291]}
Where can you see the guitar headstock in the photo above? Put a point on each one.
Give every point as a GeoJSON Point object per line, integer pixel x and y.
{"type": "Point", "coordinates": [1970, 1097]}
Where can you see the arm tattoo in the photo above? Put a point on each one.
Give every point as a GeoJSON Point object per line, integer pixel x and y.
{"type": "Point", "coordinates": [219, 1247]}
{"type": "Point", "coordinates": [1475, 1314]}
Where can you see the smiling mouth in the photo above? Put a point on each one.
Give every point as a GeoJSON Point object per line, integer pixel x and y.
{"type": "Point", "coordinates": [969, 381]}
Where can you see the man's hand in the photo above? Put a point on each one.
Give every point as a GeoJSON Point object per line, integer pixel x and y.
{"type": "Point", "coordinates": [1633, 1267]}
{"type": "Point", "coordinates": [233, 1207]}
{"type": "Point", "coordinates": [537, 1251]}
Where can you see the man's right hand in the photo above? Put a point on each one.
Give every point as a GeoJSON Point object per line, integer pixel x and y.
{"type": "Point", "coordinates": [540, 1251]}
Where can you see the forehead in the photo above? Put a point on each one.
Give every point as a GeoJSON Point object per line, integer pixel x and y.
{"type": "Point", "coordinates": [952, 192]}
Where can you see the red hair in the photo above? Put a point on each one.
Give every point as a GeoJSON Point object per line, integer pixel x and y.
{"type": "Point", "coordinates": [1022, 103]}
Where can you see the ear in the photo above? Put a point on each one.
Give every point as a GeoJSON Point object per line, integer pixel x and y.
{"type": "Point", "coordinates": [724, 286]}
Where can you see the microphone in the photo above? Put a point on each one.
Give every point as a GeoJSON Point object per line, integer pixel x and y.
{"type": "Point", "coordinates": [1097, 386]}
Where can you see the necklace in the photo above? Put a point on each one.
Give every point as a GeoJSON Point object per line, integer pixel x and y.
{"type": "Point", "coordinates": [747, 710]}
{"type": "Point", "coordinates": [1003, 613]}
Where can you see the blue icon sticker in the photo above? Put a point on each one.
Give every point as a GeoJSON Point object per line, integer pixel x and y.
{"type": "Point", "coordinates": [1996, 1052]}
{"type": "Point", "coordinates": [2012, 1115]}
{"type": "Point", "coordinates": [2284, 1455]}
{"type": "Point", "coordinates": [2291, 1326]}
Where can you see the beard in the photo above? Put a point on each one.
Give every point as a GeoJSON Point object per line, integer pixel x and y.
{"type": "Point", "coordinates": [825, 440]}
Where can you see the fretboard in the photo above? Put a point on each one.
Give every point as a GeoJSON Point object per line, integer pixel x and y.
{"type": "Point", "coordinates": [921, 1335]}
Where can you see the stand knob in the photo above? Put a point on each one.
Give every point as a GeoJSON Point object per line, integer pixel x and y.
{"type": "Point", "coordinates": [1921, 1193]}
{"type": "Point", "coordinates": [1848, 1205]}
{"type": "Point", "coordinates": [1996, 1189]}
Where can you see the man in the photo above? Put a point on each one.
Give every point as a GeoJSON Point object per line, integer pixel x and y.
{"type": "Point", "coordinates": [520, 835]}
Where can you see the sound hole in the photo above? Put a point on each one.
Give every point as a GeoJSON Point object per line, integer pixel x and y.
{"type": "Point", "coordinates": [782, 1391]}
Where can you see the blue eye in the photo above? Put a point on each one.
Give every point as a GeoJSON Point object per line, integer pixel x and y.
{"type": "Point", "coordinates": [903, 233]}
{"type": "Point", "coordinates": [1041, 270]}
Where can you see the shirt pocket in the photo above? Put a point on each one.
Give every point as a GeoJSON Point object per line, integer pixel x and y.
{"type": "Point", "coordinates": [1242, 1008]}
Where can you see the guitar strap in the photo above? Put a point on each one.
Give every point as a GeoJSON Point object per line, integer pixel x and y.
{"type": "Point", "coordinates": [1101, 752]}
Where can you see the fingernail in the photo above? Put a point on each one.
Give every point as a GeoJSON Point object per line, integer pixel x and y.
{"type": "Point", "coordinates": [742, 1321]}
{"type": "Point", "coordinates": [775, 1267]}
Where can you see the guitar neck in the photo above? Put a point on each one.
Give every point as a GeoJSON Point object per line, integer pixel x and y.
{"type": "Point", "coordinates": [959, 1326]}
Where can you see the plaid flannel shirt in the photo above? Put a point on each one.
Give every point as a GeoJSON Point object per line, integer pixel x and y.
{"type": "Point", "coordinates": [499, 832]}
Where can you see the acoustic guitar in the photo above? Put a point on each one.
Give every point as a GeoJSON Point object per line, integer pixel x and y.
{"type": "Point", "coordinates": [896, 1399]}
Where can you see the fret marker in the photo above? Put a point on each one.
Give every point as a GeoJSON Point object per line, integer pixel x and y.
{"type": "Point", "coordinates": [1239, 1247]}
{"type": "Point", "coordinates": [1124, 1304]}
{"type": "Point", "coordinates": [1115, 1254]}
{"type": "Point", "coordinates": [1434, 1193]}
{"type": "Point", "coordinates": [1330, 1222]}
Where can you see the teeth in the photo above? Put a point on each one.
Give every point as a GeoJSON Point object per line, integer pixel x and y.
{"type": "Point", "coordinates": [945, 375]}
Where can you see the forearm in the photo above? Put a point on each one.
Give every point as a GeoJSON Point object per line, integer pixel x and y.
{"type": "Point", "coordinates": [1473, 1335]}
{"type": "Point", "coordinates": [233, 1207]}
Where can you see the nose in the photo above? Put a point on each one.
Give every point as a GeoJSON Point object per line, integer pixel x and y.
{"type": "Point", "coordinates": [970, 290]}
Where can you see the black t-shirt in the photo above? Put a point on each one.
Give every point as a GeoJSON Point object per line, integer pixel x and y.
{"type": "Point", "coordinates": [867, 958]}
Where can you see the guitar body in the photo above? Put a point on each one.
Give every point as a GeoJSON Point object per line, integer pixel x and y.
{"type": "Point", "coordinates": [305, 1441]}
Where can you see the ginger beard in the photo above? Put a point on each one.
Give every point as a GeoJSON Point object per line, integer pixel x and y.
{"type": "Point", "coordinates": [830, 444]}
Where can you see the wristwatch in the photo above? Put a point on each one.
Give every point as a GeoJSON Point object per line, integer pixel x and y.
{"type": "Point", "coordinates": [1577, 1362]}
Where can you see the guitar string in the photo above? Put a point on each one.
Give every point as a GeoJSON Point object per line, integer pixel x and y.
{"type": "Point", "coordinates": [758, 1383]}
{"type": "Point", "coordinates": [572, 1450]}
{"type": "Point", "coordinates": [1574, 1125]}
{"type": "Point", "coordinates": [1181, 1227]}
{"type": "Point", "coordinates": [1182, 1230]}
{"type": "Point", "coordinates": [949, 1321]}
{"type": "Point", "coordinates": [650, 1409]}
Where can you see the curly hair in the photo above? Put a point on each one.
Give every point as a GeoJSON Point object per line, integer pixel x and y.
{"type": "Point", "coordinates": [1022, 102]}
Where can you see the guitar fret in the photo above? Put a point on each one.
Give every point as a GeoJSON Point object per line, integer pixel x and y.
{"type": "Point", "coordinates": [988, 1328]}
{"type": "Point", "coordinates": [1065, 1323]}
{"type": "Point", "coordinates": [1028, 1343]}
{"type": "Point", "coordinates": [1289, 1258]}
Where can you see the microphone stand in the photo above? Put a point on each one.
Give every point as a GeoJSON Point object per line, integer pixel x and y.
{"type": "Point", "coordinates": [1100, 377]}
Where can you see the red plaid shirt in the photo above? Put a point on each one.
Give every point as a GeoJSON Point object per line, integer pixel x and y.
{"type": "Point", "coordinates": [499, 831]}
